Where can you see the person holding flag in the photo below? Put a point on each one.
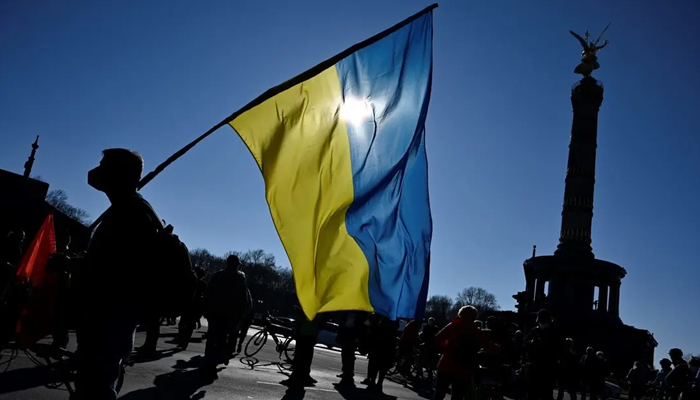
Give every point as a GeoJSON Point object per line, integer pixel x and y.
{"type": "Point", "coordinates": [110, 278]}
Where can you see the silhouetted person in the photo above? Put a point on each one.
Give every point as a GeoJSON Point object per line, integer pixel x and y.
{"type": "Point", "coordinates": [152, 325]}
{"type": "Point", "coordinates": [637, 380]}
{"type": "Point", "coordinates": [568, 371]}
{"type": "Point", "coordinates": [544, 346]}
{"type": "Point", "coordinates": [589, 364]}
{"type": "Point", "coordinates": [595, 370]}
{"type": "Point", "coordinates": [680, 378]}
{"type": "Point", "coordinates": [407, 344]}
{"type": "Point", "coordinates": [666, 367]}
{"type": "Point", "coordinates": [460, 341]}
{"type": "Point", "coordinates": [63, 302]}
{"type": "Point", "coordinates": [111, 295]}
{"type": "Point", "coordinates": [693, 390]}
{"type": "Point", "coordinates": [348, 335]}
{"type": "Point", "coordinates": [428, 333]}
{"type": "Point", "coordinates": [382, 350]}
{"type": "Point", "coordinates": [234, 327]}
{"type": "Point", "coordinates": [492, 364]}
{"type": "Point", "coordinates": [306, 336]}
{"type": "Point", "coordinates": [189, 319]}
{"type": "Point", "coordinates": [601, 373]}
{"type": "Point", "coordinates": [224, 305]}
{"type": "Point", "coordinates": [427, 343]}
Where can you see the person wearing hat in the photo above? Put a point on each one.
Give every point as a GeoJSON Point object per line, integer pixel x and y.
{"type": "Point", "coordinates": [680, 378]}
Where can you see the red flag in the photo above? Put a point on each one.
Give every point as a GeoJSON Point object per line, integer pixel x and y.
{"type": "Point", "coordinates": [36, 320]}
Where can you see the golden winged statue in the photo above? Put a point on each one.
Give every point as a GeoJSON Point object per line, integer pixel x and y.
{"type": "Point", "coordinates": [589, 60]}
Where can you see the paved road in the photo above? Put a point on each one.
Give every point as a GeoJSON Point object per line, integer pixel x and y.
{"type": "Point", "coordinates": [174, 375]}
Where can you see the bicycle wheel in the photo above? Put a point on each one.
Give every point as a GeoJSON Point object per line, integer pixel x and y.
{"type": "Point", "coordinates": [255, 343]}
{"type": "Point", "coordinates": [289, 349]}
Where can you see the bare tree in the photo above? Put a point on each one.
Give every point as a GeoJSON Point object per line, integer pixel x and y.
{"type": "Point", "coordinates": [202, 258]}
{"type": "Point", "coordinates": [477, 297]}
{"type": "Point", "coordinates": [257, 257]}
{"type": "Point", "coordinates": [58, 199]}
{"type": "Point", "coordinates": [439, 307]}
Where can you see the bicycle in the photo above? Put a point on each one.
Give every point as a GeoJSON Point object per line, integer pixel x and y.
{"type": "Point", "coordinates": [426, 363]}
{"type": "Point", "coordinates": [488, 388]}
{"type": "Point", "coordinates": [405, 364]}
{"type": "Point", "coordinates": [269, 329]}
{"type": "Point", "coordinates": [62, 362]}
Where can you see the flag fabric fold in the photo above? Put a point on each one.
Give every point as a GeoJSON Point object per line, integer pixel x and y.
{"type": "Point", "coordinates": [342, 152]}
{"type": "Point", "coordinates": [37, 317]}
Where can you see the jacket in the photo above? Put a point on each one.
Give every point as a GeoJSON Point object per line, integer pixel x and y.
{"type": "Point", "coordinates": [450, 337]}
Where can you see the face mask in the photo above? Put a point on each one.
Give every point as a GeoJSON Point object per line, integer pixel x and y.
{"type": "Point", "coordinates": [96, 179]}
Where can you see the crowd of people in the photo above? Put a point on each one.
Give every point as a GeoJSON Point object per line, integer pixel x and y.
{"type": "Point", "coordinates": [496, 358]}
{"type": "Point", "coordinates": [467, 355]}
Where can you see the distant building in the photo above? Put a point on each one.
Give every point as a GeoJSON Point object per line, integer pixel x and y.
{"type": "Point", "coordinates": [23, 207]}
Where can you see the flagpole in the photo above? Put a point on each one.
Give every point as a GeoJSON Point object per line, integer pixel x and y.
{"type": "Point", "coordinates": [149, 177]}
{"type": "Point", "coordinates": [306, 75]}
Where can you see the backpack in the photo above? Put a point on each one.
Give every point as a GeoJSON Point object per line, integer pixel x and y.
{"type": "Point", "coordinates": [171, 281]}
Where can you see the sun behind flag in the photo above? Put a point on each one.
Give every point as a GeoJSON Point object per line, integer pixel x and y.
{"type": "Point", "coordinates": [342, 151]}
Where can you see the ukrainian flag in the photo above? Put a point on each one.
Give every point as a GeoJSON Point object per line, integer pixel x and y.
{"type": "Point", "coordinates": [342, 150]}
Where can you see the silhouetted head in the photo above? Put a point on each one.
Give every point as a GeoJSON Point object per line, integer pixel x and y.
{"type": "Point", "coordinates": [233, 262]}
{"type": "Point", "coordinates": [676, 355]}
{"type": "Point", "coordinates": [570, 343]}
{"type": "Point", "coordinates": [469, 313]}
{"type": "Point", "coordinates": [600, 355]}
{"type": "Point", "coordinates": [200, 273]}
{"type": "Point", "coordinates": [119, 172]}
{"type": "Point", "coordinates": [666, 364]}
{"type": "Point", "coordinates": [590, 351]}
{"type": "Point", "coordinates": [431, 321]}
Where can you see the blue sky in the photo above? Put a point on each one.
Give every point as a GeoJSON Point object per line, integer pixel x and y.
{"type": "Point", "coordinates": [153, 75]}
